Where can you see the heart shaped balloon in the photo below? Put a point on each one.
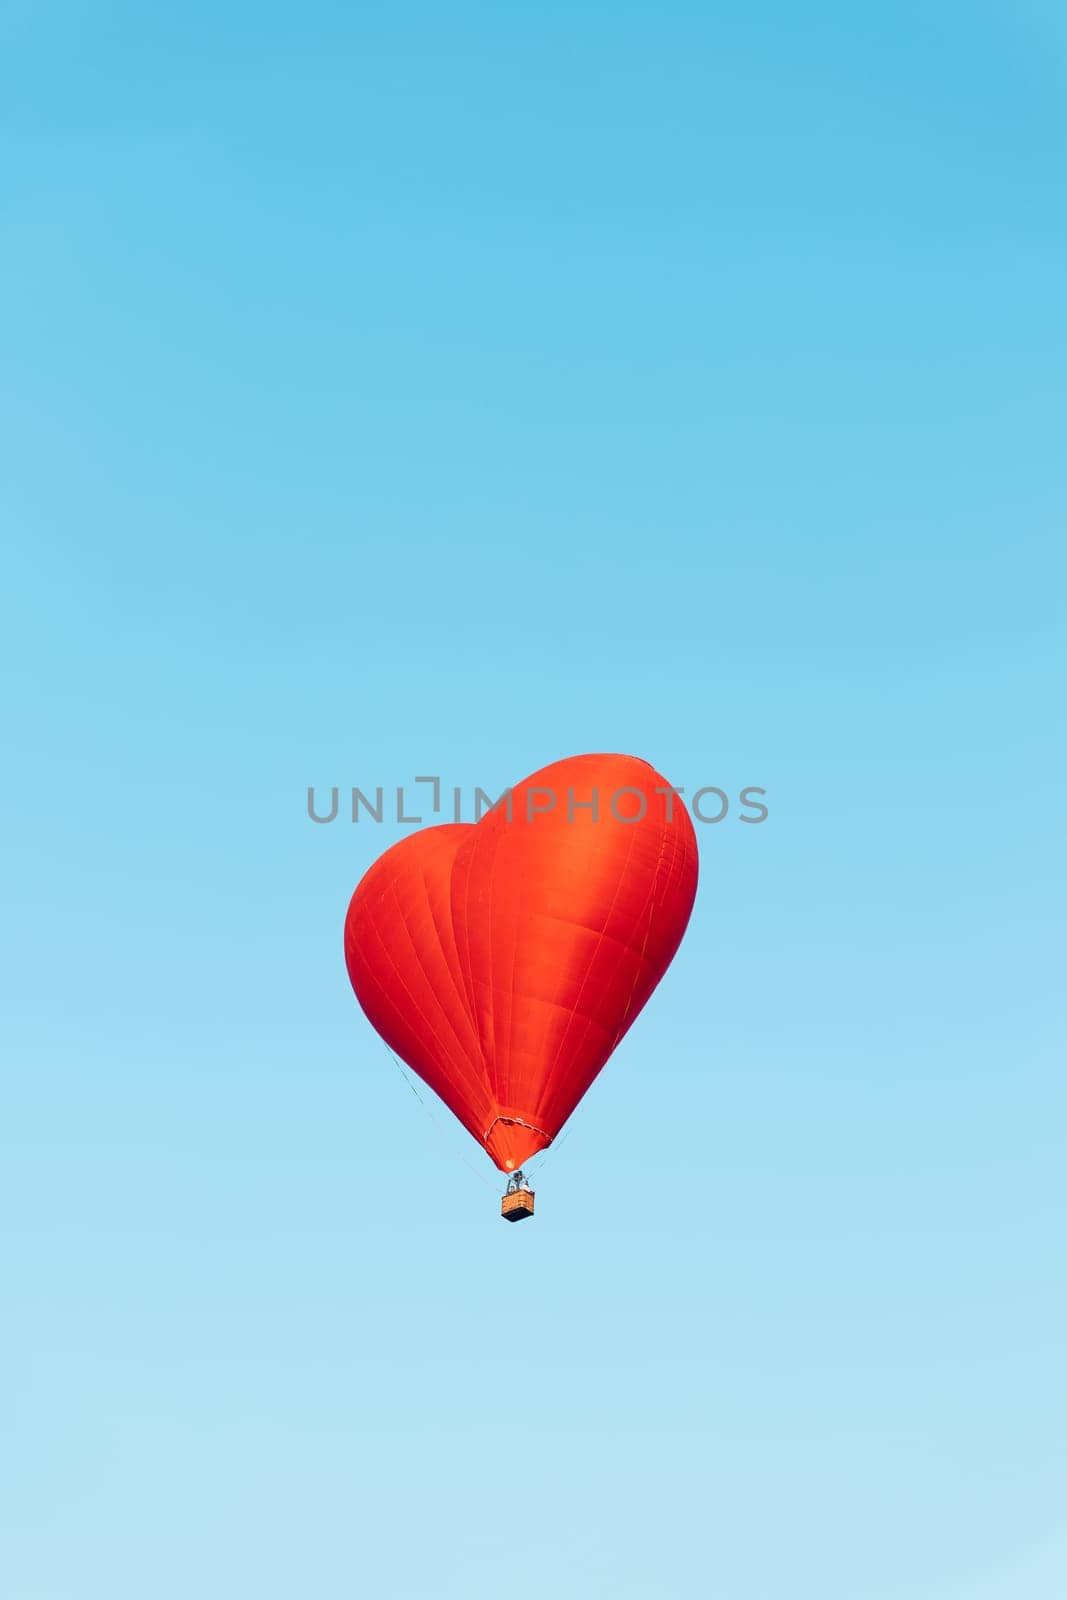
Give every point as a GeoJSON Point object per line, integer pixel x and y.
{"type": "Point", "coordinates": [504, 960]}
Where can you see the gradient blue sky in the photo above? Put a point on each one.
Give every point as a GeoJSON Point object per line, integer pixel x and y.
{"type": "Point", "coordinates": [404, 389]}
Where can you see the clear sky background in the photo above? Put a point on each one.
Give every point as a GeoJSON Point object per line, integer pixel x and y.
{"type": "Point", "coordinates": [400, 389]}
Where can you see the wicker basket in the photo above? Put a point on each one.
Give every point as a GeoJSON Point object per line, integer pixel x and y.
{"type": "Point", "coordinates": [519, 1204]}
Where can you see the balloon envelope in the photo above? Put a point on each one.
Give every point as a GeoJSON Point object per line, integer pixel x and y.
{"type": "Point", "coordinates": [504, 960]}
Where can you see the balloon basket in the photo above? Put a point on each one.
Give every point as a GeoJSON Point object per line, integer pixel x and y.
{"type": "Point", "coordinates": [517, 1204]}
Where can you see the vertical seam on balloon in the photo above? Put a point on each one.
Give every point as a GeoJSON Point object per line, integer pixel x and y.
{"type": "Point", "coordinates": [466, 966]}
{"type": "Point", "coordinates": [461, 998]}
{"type": "Point", "coordinates": [505, 1091]}
{"type": "Point", "coordinates": [407, 991]}
{"type": "Point", "coordinates": [465, 923]}
{"type": "Point", "coordinates": [492, 1053]}
{"type": "Point", "coordinates": [467, 997]}
{"type": "Point", "coordinates": [429, 981]}
{"type": "Point", "coordinates": [642, 953]}
{"type": "Point", "coordinates": [589, 967]}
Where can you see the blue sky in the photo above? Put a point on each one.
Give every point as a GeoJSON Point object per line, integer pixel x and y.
{"type": "Point", "coordinates": [404, 389]}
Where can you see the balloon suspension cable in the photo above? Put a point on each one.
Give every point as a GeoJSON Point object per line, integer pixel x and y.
{"type": "Point", "coordinates": [537, 1161]}
{"type": "Point", "coordinates": [483, 1177]}
{"type": "Point", "coordinates": [517, 1181]}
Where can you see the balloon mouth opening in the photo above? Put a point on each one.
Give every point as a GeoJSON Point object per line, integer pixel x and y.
{"type": "Point", "coordinates": [510, 1140]}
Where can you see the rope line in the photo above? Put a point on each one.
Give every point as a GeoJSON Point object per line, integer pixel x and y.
{"type": "Point", "coordinates": [478, 1173]}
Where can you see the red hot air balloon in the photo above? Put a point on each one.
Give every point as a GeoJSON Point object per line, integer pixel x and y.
{"type": "Point", "coordinates": [504, 960]}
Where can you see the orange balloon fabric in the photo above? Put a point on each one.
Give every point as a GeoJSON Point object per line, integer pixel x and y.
{"type": "Point", "coordinates": [504, 960]}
